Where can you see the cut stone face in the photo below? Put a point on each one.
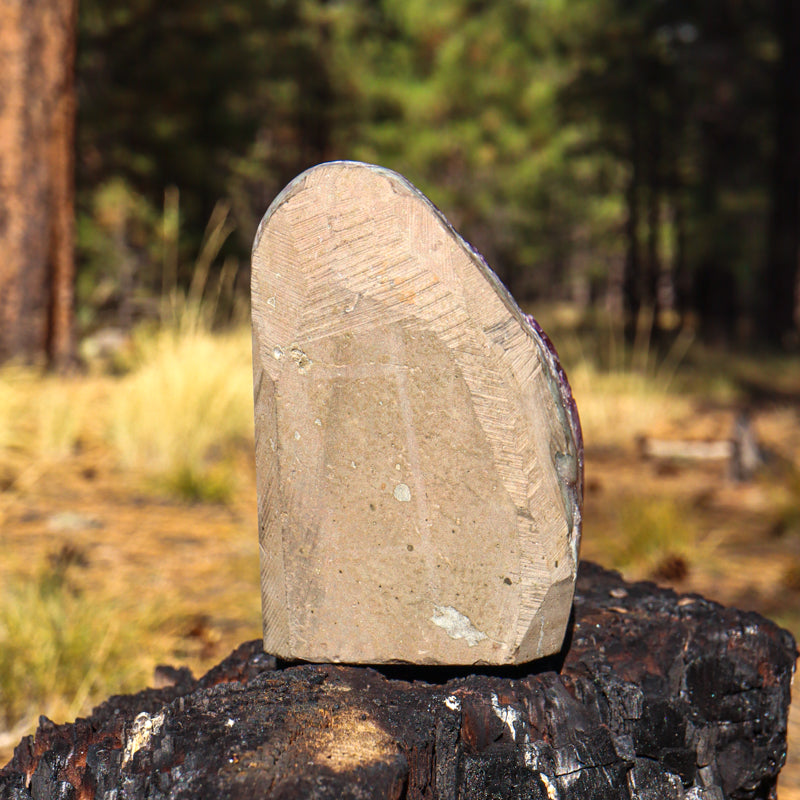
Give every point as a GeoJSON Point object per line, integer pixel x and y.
{"type": "Point", "coordinates": [418, 451]}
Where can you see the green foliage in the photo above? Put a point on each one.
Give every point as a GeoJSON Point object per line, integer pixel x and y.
{"type": "Point", "coordinates": [231, 103]}
{"type": "Point", "coordinates": [172, 94]}
{"type": "Point", "coordinates": [61, 649]}
{"type": "Point", "coordinates": [464, 100]}
{"type": "Point", "coordinates": [617, 149]}
{"type": "Point", "coordinates": [119, 240]}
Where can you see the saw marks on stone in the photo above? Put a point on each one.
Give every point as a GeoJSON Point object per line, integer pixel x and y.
{"type": "Point", "coordinates": [413, 432]}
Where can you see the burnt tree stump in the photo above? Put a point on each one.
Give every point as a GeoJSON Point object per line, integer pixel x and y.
{"type": "Point", "coordinates": [654, 695]}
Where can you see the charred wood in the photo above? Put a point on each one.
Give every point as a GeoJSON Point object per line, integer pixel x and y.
{"type": "Point", "coordinates": [654, 695]}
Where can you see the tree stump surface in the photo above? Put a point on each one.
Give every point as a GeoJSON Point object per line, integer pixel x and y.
{"type": "Point", "coordinates": [654, 695]}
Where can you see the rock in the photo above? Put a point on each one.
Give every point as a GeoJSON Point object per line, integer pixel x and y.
{"type": "Point", "coordinates": [418, 449]}
{"type": "Point", "coordinates": [654, 695]}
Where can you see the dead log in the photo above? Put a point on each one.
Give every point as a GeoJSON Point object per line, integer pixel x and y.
{"type": "Point", "coordinates": [654, 695]}
{"type": "Point", "coordinates": [741, 450]}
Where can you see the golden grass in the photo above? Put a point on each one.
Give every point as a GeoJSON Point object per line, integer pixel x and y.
{"type": "Point", "coordinates": [40, 416]}
{"type": "Point", "coordinates": [621, 388]}
{"type": "Point", "coordinates": [183, 411]}
{"type": "Point", "coordinates": [72, 633]}
{"type": "Point", "coordinates": [178, 422]}
{"type": "Point", "coordinates": [616, 407]}
{"type": "Point", "coordinates": [62, 651]}
{"type": "Point", "coordinates": [179, 416]}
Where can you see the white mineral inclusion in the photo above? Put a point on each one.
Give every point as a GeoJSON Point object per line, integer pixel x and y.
{"type": "Point", "coordinates": [456, 625]}
{"type": "Point", "coordinates": [402, 493]}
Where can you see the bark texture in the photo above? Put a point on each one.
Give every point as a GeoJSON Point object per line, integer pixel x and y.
{"type": "Point", "coordinates": [654, 696]}
{"type": "Point", "coordinates": [37, 122]}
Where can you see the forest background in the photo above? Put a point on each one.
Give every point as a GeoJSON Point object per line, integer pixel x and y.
{"type": "Point", "coordinates": [619, 154]}
{"type": "Point", "coordinates": [631, 169]}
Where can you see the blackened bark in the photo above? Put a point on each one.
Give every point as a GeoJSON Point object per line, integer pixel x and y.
{"type": "Point", "coordinates": [778, 321]}
{"type": "Point", "coordinates": [653, 696]}
{"type": "Point", "coordinates": [37, 119]}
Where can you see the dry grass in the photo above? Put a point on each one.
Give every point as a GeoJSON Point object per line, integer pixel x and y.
{"type": "Point", "coordinates": [41, 417]}
{"type": "Point", "coordinates": [184, 411]}
{"type": "Point", "coordinates": [622, 389]}
{"type": "Point", "coordinates": [616, 407]}
{"type": "Point", "coordinates": [177, 425]}
{"type": "Point", "coordinates": [179, 417]}
{"type": "Point", "coordinates": [62, 650]}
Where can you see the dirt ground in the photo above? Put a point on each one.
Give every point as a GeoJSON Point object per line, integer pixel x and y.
{"type": "Point", "coordinates": [198, 563]}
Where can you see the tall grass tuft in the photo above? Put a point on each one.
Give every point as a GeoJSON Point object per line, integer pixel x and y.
{"type": "Point", "coordinates": [195, 308]}
{"type": "Point", "coordinates": [184, 411]}
{"type": "Point", "coordinates": [60, 650]}
{"type": "Point", "coordinates": [617, 407]}
{"type": "Point", "coordinates": [648, 530]}
{"type": "Point", "coordinates": [41, 416]}
{"type": "Point", "coordinates": [620, 386]}
{"type": "Point", "coordinates": [7, 410]}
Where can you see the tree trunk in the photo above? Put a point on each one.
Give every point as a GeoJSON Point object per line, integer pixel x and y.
{"type": "Point", "coordinates": [778, 321]}
{"type": "Point", "coordinates": [654, 276]}
{"type": "Point", "coordinates": [652, 280]}
{"type": "Point", "coordinates": [681, 278]}
{"type": "Point", "coordinates": [37, 121]}
{"type": "Point", "coordinates": [631, 281]}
